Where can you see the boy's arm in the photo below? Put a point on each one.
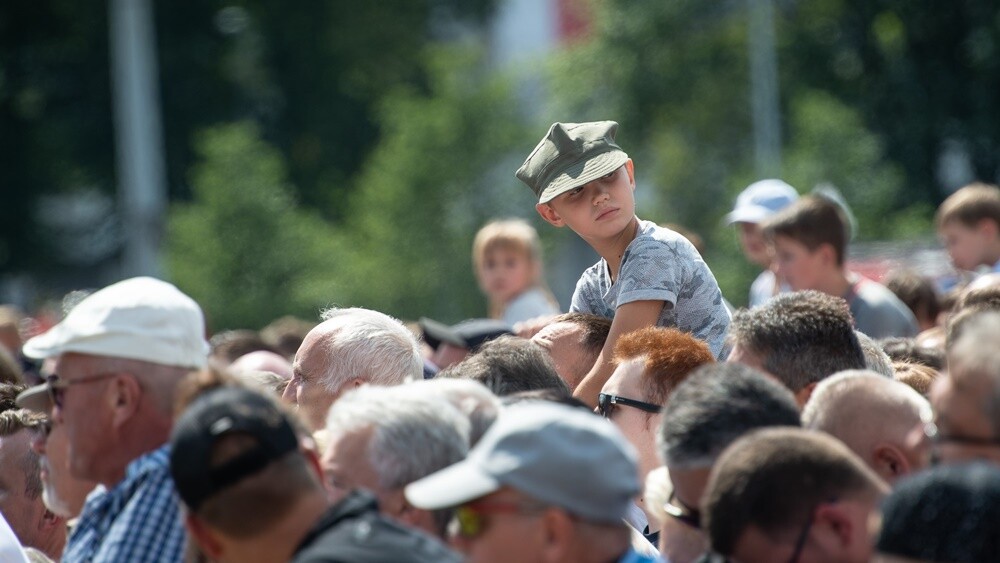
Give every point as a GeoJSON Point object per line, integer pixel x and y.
{"type": "Point", "coordinates": [628, 317]}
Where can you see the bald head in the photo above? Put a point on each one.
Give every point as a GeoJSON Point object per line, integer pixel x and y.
{"type": "Point", "coordinates": [878, 418]}
{"type": "Point", "coordinates": [351, 347]}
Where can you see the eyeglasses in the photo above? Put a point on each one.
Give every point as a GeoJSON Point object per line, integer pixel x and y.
{"type": "Point", "coordinates": [800, 543]}
{"type": "Point", "coordinates": [682, 512]}
{"type": "Point", "coordinates": [606, 404]}
{"type": "Point", "coordinates": [470, 521]}
{"type": "Point", "coordinates": [57, 386]}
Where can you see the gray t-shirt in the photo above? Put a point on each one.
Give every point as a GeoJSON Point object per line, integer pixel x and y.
{"type": "Point", "coordinates": [659, 265]}
{"type": "Point", "coordinates": [877, 311]}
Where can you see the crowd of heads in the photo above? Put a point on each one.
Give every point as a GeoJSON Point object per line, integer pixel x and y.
{"type": "Point", "coordinates": [358, 437]}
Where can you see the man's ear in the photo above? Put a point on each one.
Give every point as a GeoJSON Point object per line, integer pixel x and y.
{"type": "Point", "coordinates": [558, 530]}
{"type": "Point", "coordinates": [549, 214]}
{"type": "Point", "coordinates": [204, 537]}
{"type": "Point", "coordinates": [828, 254]}
{"type": "Point", "coordinates": [803, 395]}
{"type": "Point", "coordinates": [833, 521]}
{"type": "Point", "coordinates": [989, 228]}
{"type": "Point", "coordinates": [127, 394]}
{"type": "Point", "coordinates": [889, 462]}
{"type": "Point", "coordinates": [51, 520]}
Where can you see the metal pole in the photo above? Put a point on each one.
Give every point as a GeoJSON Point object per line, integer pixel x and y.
{"type": "Point", "coordinates": [138, 135]}
{"type": "Point", "coordinates": [764, 89]}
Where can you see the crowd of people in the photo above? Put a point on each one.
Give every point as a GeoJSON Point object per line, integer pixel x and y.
{"type": "Point", "coordinates": [835, 419]}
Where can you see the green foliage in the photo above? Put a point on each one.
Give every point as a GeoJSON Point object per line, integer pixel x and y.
{"type": "Point", "coordinates": [441, 170]}
{"type": "Point", "coordinates": [242, 248]}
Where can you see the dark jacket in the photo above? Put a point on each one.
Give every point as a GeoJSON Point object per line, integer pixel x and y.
{"type": "Point", "coordinates": [353, 531]}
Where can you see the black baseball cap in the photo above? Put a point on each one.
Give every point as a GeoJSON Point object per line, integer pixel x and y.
{"type": "Point", "coordinates": [470, 334]}
{"type": "Point", "coordinates": [222, 412]}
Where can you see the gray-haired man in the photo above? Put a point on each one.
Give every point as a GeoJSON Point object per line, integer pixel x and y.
{"type": "Point", "coordinates": [546, 480]}
{"type": "Point", "coordinates": [384, 438]}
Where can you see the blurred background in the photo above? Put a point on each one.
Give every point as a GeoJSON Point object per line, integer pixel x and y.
{"type": "Point", "coordinates": [275, 157]}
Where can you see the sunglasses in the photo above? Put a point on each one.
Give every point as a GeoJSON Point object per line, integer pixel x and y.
{"type": "Point", "coordinates": [682, 512]}
{"type": "Point", "coordinates": [57, 386]}
{"type": "Point", "coordinates": [606, 404]}
{"type": "Point", "coordinates": [470, 519]}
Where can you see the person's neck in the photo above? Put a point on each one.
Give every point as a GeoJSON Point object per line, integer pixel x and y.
{"type": "Point", "coordinates": [613, 249]}
{"type": "Point", "coordinates": [279, 542]}
{"type": "Point", "coordinates": [836, 284]}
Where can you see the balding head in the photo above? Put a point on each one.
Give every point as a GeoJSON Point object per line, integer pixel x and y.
{"type": "Point", "coordinates": [879, 419]}
{"type": "Point", "coordinates": [351, 347]}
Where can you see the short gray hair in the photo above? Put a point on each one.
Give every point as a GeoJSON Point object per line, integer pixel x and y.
{"type": "Point", "coordinates": [714, 406]}
{"type": "Point", "coordinates": [470, 397]}
{"type": "Point", "coordinates": [370, 346]}
{"type": "Point", "coordinates": [876, 359]}
{"type": "Point", "coordinates": [975, 353]}
{"type": "Point", "coordinates": [413, 434]}
{"type": "Point", "coordinates": [858, 406]}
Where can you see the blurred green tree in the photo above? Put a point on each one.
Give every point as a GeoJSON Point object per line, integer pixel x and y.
{"type": "Point", "coordinates": [442, 168]}
{"type": "Point", "coordinates": [242, 247]}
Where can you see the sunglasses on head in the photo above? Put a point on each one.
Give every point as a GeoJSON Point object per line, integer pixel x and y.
{"type": "Point", "coordinates": [606, 404]}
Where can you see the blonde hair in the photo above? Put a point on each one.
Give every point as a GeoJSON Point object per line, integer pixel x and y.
{"type": "Point", "coordinates": [515, 235]}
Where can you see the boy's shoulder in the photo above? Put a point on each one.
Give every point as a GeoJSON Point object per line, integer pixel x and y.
{"type": "Point", "coordinates": [650, 232]}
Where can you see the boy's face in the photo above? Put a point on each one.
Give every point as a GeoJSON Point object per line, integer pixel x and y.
{"type": "Point", "coordinates": [800, 267]}
{"type": "Point", "coordinates": [966, 245]}
{"type": "Point", "coordinates": [600, 209]}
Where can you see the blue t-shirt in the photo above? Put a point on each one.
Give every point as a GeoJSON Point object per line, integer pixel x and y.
{"type": "Point", "coordinates": [660, 265]}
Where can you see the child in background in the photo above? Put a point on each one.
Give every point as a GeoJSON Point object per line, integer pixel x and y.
{"type": "Point", "coordinates": [647, 275]}
{"type": "Point", "coordinates": [969, 224]}
{"type": "Point", "coordinates": [507, 257]}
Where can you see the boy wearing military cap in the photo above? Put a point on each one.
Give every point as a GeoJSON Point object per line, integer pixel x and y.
{"type": "Point", "coordinates": [647, 275]}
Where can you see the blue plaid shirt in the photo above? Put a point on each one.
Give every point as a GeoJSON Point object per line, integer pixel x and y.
{"type": "Point", "coordinates": [138, 520]}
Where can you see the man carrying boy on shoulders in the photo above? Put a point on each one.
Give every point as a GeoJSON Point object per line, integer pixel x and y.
{"type": "Point", "coordinates": [647, 275]}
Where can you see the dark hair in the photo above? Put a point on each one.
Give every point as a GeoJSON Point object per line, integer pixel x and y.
{"type": "Point", "coordinates": [714, 406]}
{"type": "Point", "coordinates": [13, 421]}
{"type": "Point", "coordinates": [286, 334]}
{"type": "Point", "coordinates": [902, 349]}
{"type": "Point", "coordinates": [550, 394]}
{"type": "Point", "coordinates": [793, 471]}
{"type": "Point", "coordinates": [231, 344]}
{"type": "Point", "coordinates": [8, 395]}
{"type": "Point", "coordinates": [970, 205]}
{"type": "Point", "coordinates": [802, 337]}
{"type": "Point", "coordinates": [668, 356]}
{"type": "Point", "coordinates": [916, 292]}
{"type": "Point", "coordinates": [259, 501]}
{"type": "Point", "coordinates": [508, 365]}
{"type": "Point", "coordinates": [595, 329]}
{"type": "Point", "coordinates": [948, 513]}
{"type": "Point", "coordinates": [812, 220]}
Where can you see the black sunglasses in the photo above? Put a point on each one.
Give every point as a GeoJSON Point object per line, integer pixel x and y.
{"type": "Point", "coordinates": [606, 404]}
{"type": "Point", "coordinates": [682, 512]}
